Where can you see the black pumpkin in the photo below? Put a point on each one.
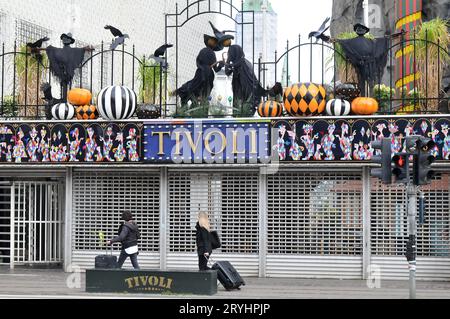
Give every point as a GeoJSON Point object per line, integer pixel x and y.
{"type": "Point", "coordinates": [148, 111]}
{"type": "Point", "coordinates": [348, 91]}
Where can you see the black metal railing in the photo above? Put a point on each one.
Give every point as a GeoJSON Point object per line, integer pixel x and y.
{"type": "Point", "coordinates": [22, 76]}
{"type": "Point", "coordinates": [423, 93]}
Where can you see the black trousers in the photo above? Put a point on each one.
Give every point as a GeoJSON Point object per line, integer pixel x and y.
{"type": "Point", "coordinates": [203, 263]}
{"type": "Point", "coordinates": [123, 256]}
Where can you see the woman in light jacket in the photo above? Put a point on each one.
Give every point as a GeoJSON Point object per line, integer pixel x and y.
{"type": "Point", "coordinates": [203, 240]}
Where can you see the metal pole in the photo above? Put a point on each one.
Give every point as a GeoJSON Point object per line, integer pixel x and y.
{"type": "Point", "coordinates": [412, 231]}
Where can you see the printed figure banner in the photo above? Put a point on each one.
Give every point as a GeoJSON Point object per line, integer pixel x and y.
{"type": "Point", "coordinates": [351, 140]}
{"type": "Point", "coordinates": [193, 142]}
{"type": "Point", "coordinates": [62, 143]}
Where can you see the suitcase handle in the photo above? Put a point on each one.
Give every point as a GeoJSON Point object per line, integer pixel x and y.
{"type": "Point", "coordinates": [210, 260]}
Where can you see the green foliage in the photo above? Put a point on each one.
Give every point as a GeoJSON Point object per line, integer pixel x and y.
{"type": "Point", "coordinates": [9, 107]}
{"type": "Point", "coordinates": [435, 31]}
{"type": "Point", "coordinates": [383, 94]}
{"type": "Point", "coordinates": [150, 75]}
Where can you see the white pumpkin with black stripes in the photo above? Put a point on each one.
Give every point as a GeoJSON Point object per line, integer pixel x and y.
{"type": "Point", "coordinates": [338, 107]}
{"type": "Point", "coordinates": [63, 111]}
{"type": "Point", "coordinates": [116, 103]}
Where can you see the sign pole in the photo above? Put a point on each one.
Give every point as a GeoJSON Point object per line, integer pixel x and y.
{"type": "Point", "coordinates": [412, 231]}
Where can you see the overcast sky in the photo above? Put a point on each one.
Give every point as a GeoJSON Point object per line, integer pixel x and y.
{"type": "Point", "coordinates": [299, 17]}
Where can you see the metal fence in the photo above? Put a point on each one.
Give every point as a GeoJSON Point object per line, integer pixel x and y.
{"type": "Point", "coordinates": [22, 75]}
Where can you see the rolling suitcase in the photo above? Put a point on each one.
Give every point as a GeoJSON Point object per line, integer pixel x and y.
{"type": "Point", "coordinates": [106, 261]}
{"type": "Point", "coordinates": [228, 275]}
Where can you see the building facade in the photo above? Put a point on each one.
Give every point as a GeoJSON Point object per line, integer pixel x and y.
{"type": "Point", "coordinates": [253, 49]}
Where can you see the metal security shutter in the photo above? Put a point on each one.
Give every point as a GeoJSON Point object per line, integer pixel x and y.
{"type": "Point", "coordinates": [315, 225]}
{"type": "Point", "coordinates": [232, 202]}
{"type": "Point", "coordinates": [98, 200]}
{"type": "Point", "coordinates": [389, 230]}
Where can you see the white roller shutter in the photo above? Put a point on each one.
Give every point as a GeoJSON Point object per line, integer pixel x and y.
{"type": "Point", "coordinates": [389, 231]}
{"type": "Point", "coordinates": [99, 198]}
{"type": "Point", "coordinates": [231, 200]}
{"type": "Point", "coordinates": [315, 225]}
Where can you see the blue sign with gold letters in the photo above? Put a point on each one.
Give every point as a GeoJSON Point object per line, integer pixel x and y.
{"type": "Point", "coordinates": [211, 142]}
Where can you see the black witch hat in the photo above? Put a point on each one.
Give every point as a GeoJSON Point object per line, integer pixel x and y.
{"type": "Point", "coordinates": [67, 39]}
{"type": "Point", "coordinates": [219, 40]}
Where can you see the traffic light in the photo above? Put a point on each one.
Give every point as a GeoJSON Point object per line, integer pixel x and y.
{"type": "Point", "coordinates": [401, 168]}
{"type": "Point", "coordinates": [385, 172]}
{"type": "Point", "coordinates": [422, 172]}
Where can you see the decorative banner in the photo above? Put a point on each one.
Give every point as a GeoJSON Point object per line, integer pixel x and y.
{"type": "Point", "coordinates": [197, 142]}
{"type": "Point", "coordinates": [351, 140]}
{"type": "Point", "coordinates": [62, 143]}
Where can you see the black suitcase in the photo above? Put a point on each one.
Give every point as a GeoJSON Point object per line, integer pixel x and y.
{"type": "Point", "coordinates": [228, 275]}
{"type": "Point", "coordinates": [106, 261]}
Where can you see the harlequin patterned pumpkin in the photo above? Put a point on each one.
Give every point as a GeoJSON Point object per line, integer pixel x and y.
{"type": "Point", "coordinates": [348, 91]}
{"type": "Point", "coordinates": [270, 109]}
{"type": "Point", "coordinates": [338, 107]}
{"type": "Point", "coordinates": [116, 103]}
{"type": "Point", "coordinates": [364, 106]}
{"type": "Point", "coordinates": [63, 111]}
{"type": "Point", "coordinates": [79, 97]}
{"type": "Point", "coordinates": [305, 99]}
{"type": "Point", "coordinates": [86, 112]}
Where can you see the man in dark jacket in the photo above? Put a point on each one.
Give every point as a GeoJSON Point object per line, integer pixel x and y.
{"type": "Point", "coordinates": [203, 240]}
{"type": "Point", "coordinates": [128, 237]}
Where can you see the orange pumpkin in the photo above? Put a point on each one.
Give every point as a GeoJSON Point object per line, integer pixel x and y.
{"type": "Point", "coordinates": [79, 97]}
{"type": "Point", "coordinates": [270, 109]}
{"type": "Point", "coordinates": [364, 106]}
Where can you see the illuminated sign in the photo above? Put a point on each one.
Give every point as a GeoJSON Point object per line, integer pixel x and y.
{"type": "Point", "coordinates": [212, 142]}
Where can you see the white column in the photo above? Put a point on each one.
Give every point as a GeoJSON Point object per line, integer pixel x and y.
{"type": "Point", "coordinates": [262, 223]}
{"type": "Point", "coordinates": [163, 216]}
{"type": "Point", "coordinates": [366, 223]}
{"type": "Point", "coordinates": [68, 219]}
{"type": "Point", "coordinates": [12, 232]}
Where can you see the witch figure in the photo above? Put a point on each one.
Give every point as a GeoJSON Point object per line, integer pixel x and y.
{"type": "Point", "coordinates": [247, 90]}
{"type": "Point", "coordinates": [199, 88]}
{"type": "Point", "coordinates": [369, 57]}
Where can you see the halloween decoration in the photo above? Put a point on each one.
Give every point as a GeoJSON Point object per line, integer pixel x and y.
{"type": "Point", "coordinates": [79, 97]}
{"type": "Point", "coordinates": [200, 87]}
{"type": "Point", "coordinates": [119, 36]}
{"type": "Point", "coordinates": [148, 111]}
{"type": "Point", "coordinates": [364, 106]}
{"type": "Point", "coordinates": [369, 57]}
{"type": "Point", "coordinates": [64, 61]}
{"type": "Point", "coordinates": [319, 34]}
{"type": "Point", "coordinates": [305, 99]}
{"type": "Point", "coordinates": [276, 93]}
{"type": "Point", "coordinates": [86, 112]}
{"type": "Point", "coordinates": [63, 111]}
{"type": "Point", "coordinates": [338, 107]}
{"type": "Point", "coordinates": [34, 48]}
{"type": "Point", "coordinates": [220, 40]}
{"type": "Point", "coordinates": [159, 53]}
{"type": "Point", "coordinates": [48, 97]}
{"type": "Point", "coordinates": [116, 103]}
{"type": "Point", "coordinates": [270, 109]}
{"type": "Point", "coordinates": [247, 90]}
{"type": "Point", "coordinates": [348, 91]}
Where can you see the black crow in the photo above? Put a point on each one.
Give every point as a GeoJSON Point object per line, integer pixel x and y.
{"type": "Point", "coordinates": [319, 34]}
{"type": "Point", "coordinates": [38, 44]}
{"type": "Point", "coordinates": [159, 53]}
{"type": "Point", "coordinates": [162, 50]}
{"type": "Point", "coordinates": [119, 36]}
